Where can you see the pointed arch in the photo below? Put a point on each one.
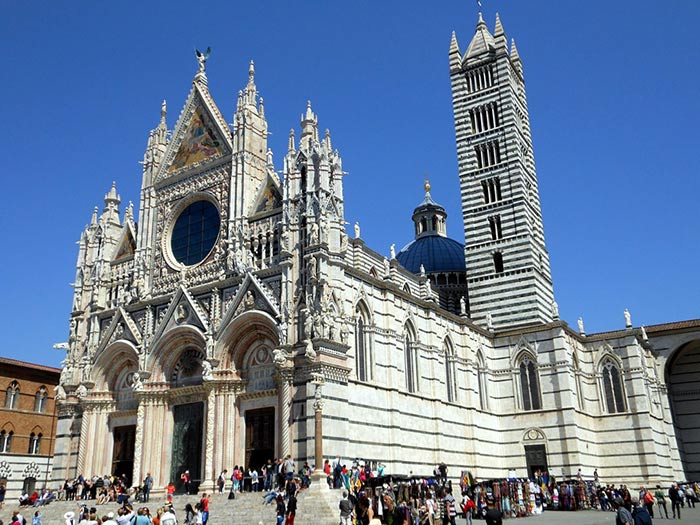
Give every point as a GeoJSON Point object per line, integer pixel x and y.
{"type": "Point", "coordinates": [482, 380]}
{"type": "Point", "coordinates": [249, 330]}
{"type": "Point", "coordinates": [363, 344]}
{"type": "Point", "coordinates": [529, 382]}
{"type": "Point", "coordinates": [612, 385]}
{"type": "Point", "coordinates": [576, 368]}
{"type": "Point", "coordinates": [170, 348]}
{"type": "Point", "coordinates": [40, 399]}
{"type": "Point", "coordinates": [450, 375]}
{"type": "Point", "coordinates": [410, 357]}
{"type": "Point", "coordinates": [6, 435]}
{"type": "Point", "coordinates": [12, 396]}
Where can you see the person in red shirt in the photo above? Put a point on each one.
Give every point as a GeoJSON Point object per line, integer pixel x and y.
{"type": "Point", "coordinates": [204, 503]}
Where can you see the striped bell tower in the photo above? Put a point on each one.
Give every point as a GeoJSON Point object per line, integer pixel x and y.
{"type": "Point", "coordinates": [508, 273]}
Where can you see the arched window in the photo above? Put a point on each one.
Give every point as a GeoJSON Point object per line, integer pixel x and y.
{"type": "Point", "coordinates": [411, 361]}
{"type": "Point", "coordinates": [40, 400]}
{"type": "Point", "coordinates": [450, 373]}
{"type": "Point", "coordinates": [529, 385]}
{"type": "Point", "coordinates": [481, 374]}
{"type": "Point", "coordinates": [577, 381]}
{"type": "Point", "coordinates": [362, 347]}
{"type": "Point", "coordinates": [612, 387]}
{"type": "Point", "coordinates": [12, 395]}
{"type": "Point", "coordinates": [6, 441]}
{"type": "Point", "coordinates": [34, 443]}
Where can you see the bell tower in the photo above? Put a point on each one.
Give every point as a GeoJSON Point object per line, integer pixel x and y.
{"type": "Point", "coordinates": [508, 272]}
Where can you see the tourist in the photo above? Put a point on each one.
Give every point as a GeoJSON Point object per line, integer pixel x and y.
{"type": "Point", "coordinates": [450, 506]}
{"type": "Point", "coordinates": [676, 497]}
{"type": "Point", "coordinates": [291, 510]}
{"type": "Point", "coordinates": [147, 486]}
{"type": "Point", "coordinates": [281, 510]}
{"type": "Point", "coordinates": [690, 496]}
{"type": "Point", "coordinates": [189, 515]}
{"type": "Point", "coordinates": [289, 468]}
{"type": "Point", "coordinates": [108, 519]}
{"type": "Point", "coordinates": [221, 481]}
{"type": "Point", "coordinates": [660, 498]}
{"type": "Point", "coordinates": [430, 508]}
{"type": "Point", "coordinates": [493, 516]}
{"type": "Point", "coordinates": [142, 518]}
{"type": "Point", "coordinates": [168, 517]}
{"type": "Point", "coordinates": [204, 507]}
{"type": "Point", "coordinates": [639, 513]}
{"type": "Point", "coordinates": [68, 518]}
{"type": "Point", "coordinates": [187, 481]}
{"type": "Point", "coordinates": [36, 520]}
{"type": "Point", "coordinates": [624, 516]}
{"type": "Point", "coordinates": [647, 499]}
{"type": "Point", "coordinates": [468, 507]}
{"type": "Point", "coordinates": [3, 491]}
{"type": "Point", "coordinates": [254, 479]}
{"type": "Point", "coordinates": [169, 491]}
{"type": "Point", "coordinates": [346, 507]}
{"type": "Point", "coordinates": [394, 514]}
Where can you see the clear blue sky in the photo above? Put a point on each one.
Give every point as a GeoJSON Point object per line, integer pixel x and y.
{"type": "Point", "coordinates": [613, 97]}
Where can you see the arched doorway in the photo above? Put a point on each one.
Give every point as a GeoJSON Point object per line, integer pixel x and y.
{"type": "Point", "coordinates": [683, 381]}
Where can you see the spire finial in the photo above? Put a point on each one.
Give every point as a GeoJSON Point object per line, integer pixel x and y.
{"type": "Point", "coordinates": [251, 72]}
{"type": "Point", "coordinates": [426, 185]}
{"type": "Point", "coordinates": [163, 109]}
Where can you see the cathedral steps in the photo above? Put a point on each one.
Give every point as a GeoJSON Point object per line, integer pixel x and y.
{"type": "Point", "coordinates": [246, 509]}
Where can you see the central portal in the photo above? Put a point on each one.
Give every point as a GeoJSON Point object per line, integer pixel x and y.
{"type": "Point", "coordinates": [259, 437]}
{"type": "Point", "coordinates": [123, 452]}
{"type": "Point", "coordinates": [188, 433]}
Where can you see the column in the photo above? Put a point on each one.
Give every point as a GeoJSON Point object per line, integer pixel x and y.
{"type": "Point", "coordinates": [283, 377]}
{"type": "Point", "coordinates": [318, 381]}
{"type": "Point", "coordinates": [209, 480]}
{"type": "Point", "coordinates": [138, 441]}
{"type": "Point", "coordinates": [84, 438]}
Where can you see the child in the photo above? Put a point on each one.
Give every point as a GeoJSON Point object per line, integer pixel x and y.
{"type": "Point", "coordinates": [170, 490]}
{"type": "Point", "coordinates": [36, 520]}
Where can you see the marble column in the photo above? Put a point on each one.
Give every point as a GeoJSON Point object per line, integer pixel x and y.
{"type": "Point", "coordinates": [209, 478]}
{"type": "Point", "coordinates": [283, 378]}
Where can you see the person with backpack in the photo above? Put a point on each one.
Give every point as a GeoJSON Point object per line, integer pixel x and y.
{"type": "Point", "coordinates": [221, 481]}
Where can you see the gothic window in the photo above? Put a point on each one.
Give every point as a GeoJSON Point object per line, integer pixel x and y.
{"type": "Point", "coordinates": [406, 288]}
{"type": "Point", "coordinates": [612, 387]}
{"type": "Point", "coordinates": [498, 262]}
{"type": "Point", "coordinates": [577, 382]}
{"type": "Point", "coordinates": [492, 190]}
{"type": "Point", "coordinates": [495, 227]}
{"type": "Point", "coordinates": [12, 396]}
{"type": "Point", "coordinates": [529, 385]}
{"type": "Point", "coordinates": [480, 78]}
{"type": "Point", "coordinates": [6, 441]}
{"type": "Point", "coordinates": [40, 399]}
{"type": "Point", "coordinates": [484, 118]}
{"type": "Point", "coordinates": [34, 443]}
{"type": "Point", "coordinates": [450, 373]}
{"type": "Point", "coordinates": [362, 354]}
{"type": "Point", "coordinates": [481, 374]}
{"type": "Point", "coordinates": [411, 361]}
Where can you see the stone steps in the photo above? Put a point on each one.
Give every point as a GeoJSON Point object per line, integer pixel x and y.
{"type": "Point", "coordinates": [317, 507]}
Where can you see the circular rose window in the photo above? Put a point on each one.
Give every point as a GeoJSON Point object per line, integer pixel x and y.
{"type": "Point", "coordinates": [195, 232]}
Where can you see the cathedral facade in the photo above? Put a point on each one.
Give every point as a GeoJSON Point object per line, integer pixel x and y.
{"type": "Point", "coordinates": [237, 310]}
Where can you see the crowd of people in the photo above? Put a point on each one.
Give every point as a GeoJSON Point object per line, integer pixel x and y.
{"type": "Point", "coordinates": [369, 496]}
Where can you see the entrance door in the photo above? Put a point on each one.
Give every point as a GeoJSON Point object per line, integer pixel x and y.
{"type": "Point", "coordinates": [536, 458]}
{"type": "Point", "coordinates": [188, 433]}
{"type": "Point", "coordinates": [259, 437]}
{"type": "Point", "coordinates": [123, 453]}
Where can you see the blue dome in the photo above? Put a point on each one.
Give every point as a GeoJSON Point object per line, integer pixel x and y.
{"type": "Point", "coordinates": [435, 252]}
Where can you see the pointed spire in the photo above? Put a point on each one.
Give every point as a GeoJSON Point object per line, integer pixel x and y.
{"type": "Point", "coordinates": [251, 73]}
{"type": "Point", "coordinates": [111, 196]}
{"type": "Point", "coordinates": [327, 140]}
{"type": "Point", "coordinates": [268, 158]}
{"type": "Point", "coordinates": [261, 108]}
{"type": "Point", "coordinates": [482, 42]}
{"type": "Point", "coordinates": [163, 113]}
{"type": "Point", "coordinates": [454, 54]}
{"type": "Point", "coordinates": [290, 145]}
{"type": "Point", "coordinates": [93, 219]}
{"type": "Point", "coordinates": [515, 57]}
{"type": "Point", "coordinates": [500, 35]}
{"type": "Point", "coordinates": [129, 212]}
{"type": "Point", "coordinates": [239, 102]}
{"type": "Point", "coordinates": [308, 128]}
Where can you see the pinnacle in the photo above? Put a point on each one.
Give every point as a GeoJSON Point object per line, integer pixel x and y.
{"type": "Point", "coordinates": [499, 27]}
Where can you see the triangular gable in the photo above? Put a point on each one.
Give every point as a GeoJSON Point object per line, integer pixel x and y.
{"type": "Point", "coordinates": [122, 327]}
{"type": "Point", "coordinates": [251, 295]}
{"type": "Point", "coordinates": [201, 134]}
{"type": "Point", "coordinates": [183, 309]}
{"type": "Point", "coordinates": [127, 244]}
{"type": "Point", "coordinates": [269, 197]}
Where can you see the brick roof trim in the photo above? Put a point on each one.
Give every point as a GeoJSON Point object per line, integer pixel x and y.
{"type": "Point", "coordinates": [25, 364]}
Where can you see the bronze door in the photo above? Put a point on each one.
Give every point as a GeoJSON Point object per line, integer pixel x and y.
{"type": "Point", "coordinates": [188, 434]}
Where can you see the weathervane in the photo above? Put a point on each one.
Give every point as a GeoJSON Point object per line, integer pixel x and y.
{"type": "Point", "coordinates": [202, 58]}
